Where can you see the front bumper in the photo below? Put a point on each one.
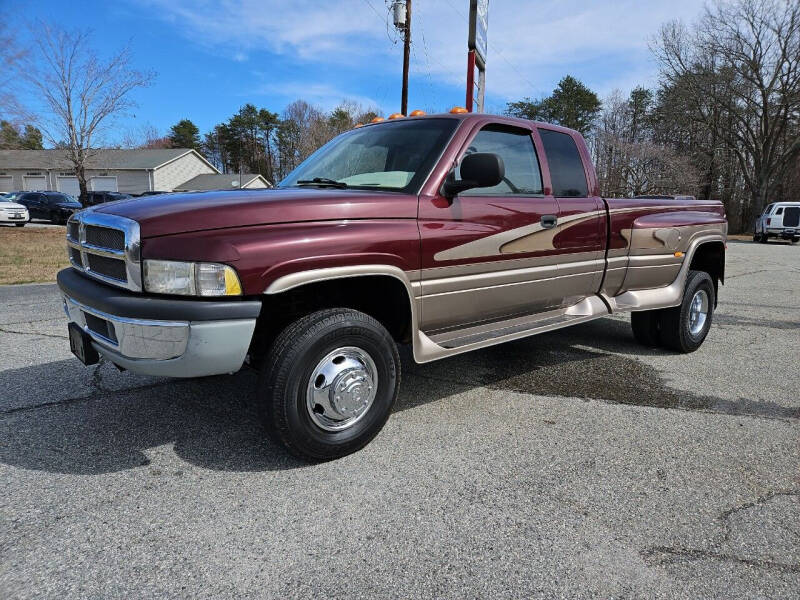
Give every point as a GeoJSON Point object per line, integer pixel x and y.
{"type": "Point", "coordinates": [160, 335]}
{"type": "Point", "coordinates": [785, 233]}
{"type": "Point", "coordinates": [11, 217]}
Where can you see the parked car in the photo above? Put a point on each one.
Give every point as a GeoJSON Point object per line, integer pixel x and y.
{"type": "Point", "coordinates": [447, 232]}
{"type": "Point", "coordinates": [52, 206]}
{"type": "Point", "coordinates": [95, 198]}
{"type": "Point", "coordinates": [779, 220]}
{"type": "Point", "coordinates": [12, 212]}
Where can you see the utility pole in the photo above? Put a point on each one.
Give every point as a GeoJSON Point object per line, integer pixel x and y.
{"type": "Point", "coordinates": [406, 51]}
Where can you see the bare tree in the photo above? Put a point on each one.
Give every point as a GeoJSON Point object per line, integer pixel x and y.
{"type": "Point", "coordinates": [739, 71]}
{"type": "Point", "coordinates": [10, 57]}
{"type": "Point", "coordinates": [80, 95]}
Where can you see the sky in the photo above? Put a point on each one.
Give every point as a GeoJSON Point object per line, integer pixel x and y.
{"type": "Point", "coordinates": [211, 57]}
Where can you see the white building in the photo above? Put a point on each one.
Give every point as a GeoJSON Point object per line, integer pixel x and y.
{"type": "Point", "coordinates": [126, 171]}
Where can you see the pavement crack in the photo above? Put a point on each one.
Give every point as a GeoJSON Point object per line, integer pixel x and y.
{"type": "Point", "coordinates": [34, 333]}
{"type": "Point", "coordinates": [674, 554]}
{"type": "Point", "coordinates": [726, 515]}
{"type": "Point", "coordinates": [97, 395]}
{"type": "Point", "coordinates": [671, 554]}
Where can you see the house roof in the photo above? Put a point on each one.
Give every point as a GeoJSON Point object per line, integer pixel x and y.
{"type": "Point", "coordinates": [140, 158]}
{"type": "Point", "coordinates": [222, 181]}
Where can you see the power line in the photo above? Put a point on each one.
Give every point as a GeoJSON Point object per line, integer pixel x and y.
{"type": "Point", "coordinates": [382, 18]}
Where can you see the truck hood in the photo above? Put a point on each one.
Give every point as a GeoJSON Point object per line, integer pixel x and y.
{"type": "Point", "coordinates": [168, 214]}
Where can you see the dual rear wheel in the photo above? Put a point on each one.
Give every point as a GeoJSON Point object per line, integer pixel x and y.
{"type": "Point", "coordinates": [682, 328]}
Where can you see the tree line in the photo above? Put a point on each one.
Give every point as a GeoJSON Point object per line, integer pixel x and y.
{"type": "Point", "coordinates": [722, 122]}
{"type": "Point", "coordinates": [257, 140]}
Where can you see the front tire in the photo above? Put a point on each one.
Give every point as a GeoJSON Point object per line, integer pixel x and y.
{"type": "Point", "coordinates": [685, 327]}
{"type": "Point", "coordinates": [329, 383]}
{"type": "Point", "coordinates": [20, 224]}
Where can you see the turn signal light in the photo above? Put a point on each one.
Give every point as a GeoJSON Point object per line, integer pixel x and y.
{"type": "Point", "coordinates": [396, 116]}
{"type": "Point", "coordinates": [377, 120]}
{"type": "Point", "coordinates": [679, 255]}
{"type": "Point", "coordinates": [416, 113]}
{"type": "Point", "coordinates": [456, 110]}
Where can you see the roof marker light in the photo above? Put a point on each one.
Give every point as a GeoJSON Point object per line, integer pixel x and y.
{"type": "Point", "coordinates": [457, 110]}
{"type": "Point", "coordinates": [396, 116]}
{"type": "Point", "coordinates": [377, 120]}
{"type": "Point", "coordinates": [417, 113]}
{"type": "Point", "coordinates": [357, 125]}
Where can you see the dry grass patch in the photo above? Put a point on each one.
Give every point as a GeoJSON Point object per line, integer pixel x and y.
{"type": "Point", "coordinates": [31, 255]}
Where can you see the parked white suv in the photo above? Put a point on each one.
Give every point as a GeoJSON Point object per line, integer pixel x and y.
{"type": "Point", "coordinates": [779, 220]}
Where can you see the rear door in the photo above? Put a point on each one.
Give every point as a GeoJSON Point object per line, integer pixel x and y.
{"type": "Point", "coordinates": [34, 203]}
{"type": "Point", "coordinates": [791, 217]}
{"type": "Point", "coordinates": [580, 238]}
{"type": "Point", "coordinates": [481, 256]}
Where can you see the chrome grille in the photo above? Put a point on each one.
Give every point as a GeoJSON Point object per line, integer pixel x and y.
{"type": "Point", "coordinates": [104, 237]}
{"type": "Point", "coordinates": [105, 247]}
{"type": "Point", "coordinates": [73, 230]}
{"type": "Point", "coordinates": [109, 267]}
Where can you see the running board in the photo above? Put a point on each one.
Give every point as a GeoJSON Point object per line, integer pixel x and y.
{"type": "Point", "coordinates": [442, 344]}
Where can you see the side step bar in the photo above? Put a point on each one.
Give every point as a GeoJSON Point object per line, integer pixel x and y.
{"type": "Point", "coordinates": [442, 344]}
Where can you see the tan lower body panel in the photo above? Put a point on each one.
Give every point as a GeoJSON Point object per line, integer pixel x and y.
{"type": "Point", "coordinates": [464, 294]}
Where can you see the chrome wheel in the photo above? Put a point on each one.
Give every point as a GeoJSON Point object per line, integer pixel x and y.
{"type": "Point", "coordinates": [698, 312]}
{"type": "Point", "coordinates": [342, 388]}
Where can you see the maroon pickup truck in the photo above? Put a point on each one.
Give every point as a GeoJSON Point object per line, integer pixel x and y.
{"type": "Point", "coordinates": [446, 232]}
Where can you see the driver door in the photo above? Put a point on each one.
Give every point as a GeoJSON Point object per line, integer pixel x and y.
{"type": "Point", "coordinates": [488, 253]}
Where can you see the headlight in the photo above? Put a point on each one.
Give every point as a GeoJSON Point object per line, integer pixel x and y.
{"type": "Point", "coordinates": [190, 279]}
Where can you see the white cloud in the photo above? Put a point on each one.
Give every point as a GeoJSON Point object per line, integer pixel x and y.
{"type": "Point", "coordinates": [531, 43]}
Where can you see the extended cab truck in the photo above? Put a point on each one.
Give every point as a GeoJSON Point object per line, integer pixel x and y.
{"type": "Point", "coordinates": [449, 232]}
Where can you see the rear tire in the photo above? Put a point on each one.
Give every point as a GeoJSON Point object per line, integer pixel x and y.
{"type": "Point", "coordinates": [20, 224]}
{"type": "Point", "coordinates": [646, 327]}
{"type": "Point", "coordinates": [764, 238]}
{"type": "Point", "coordinates": [685, 327]}
{"type": "Point", "coordinates": [329, 383]}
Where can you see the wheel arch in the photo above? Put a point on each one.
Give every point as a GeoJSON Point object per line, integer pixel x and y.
{"type": "Point", "coordinates": [710, 257]}
{"type": "Point", "coordinates": [384, 292]}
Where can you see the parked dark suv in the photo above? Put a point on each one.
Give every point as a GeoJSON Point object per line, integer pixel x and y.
{"type": "Point", "coordinates": [94, 198]}
{"type": "Point", "coordinates": [53, 206]}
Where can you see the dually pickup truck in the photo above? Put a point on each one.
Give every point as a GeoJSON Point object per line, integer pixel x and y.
{"type": "Point", "coordinates": [447, 232]}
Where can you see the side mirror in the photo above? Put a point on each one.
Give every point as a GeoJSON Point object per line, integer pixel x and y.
{"type": "Point", "coordinates": [482, 169]}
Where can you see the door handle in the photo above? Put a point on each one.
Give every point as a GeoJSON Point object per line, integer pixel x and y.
{"type": "Point", "coordinates": [548, 221]}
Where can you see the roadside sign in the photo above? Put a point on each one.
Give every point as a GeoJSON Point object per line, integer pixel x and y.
{"type": "Point", "coordinates": [478, 28]}
{"type": "Point", "coordinates": [477, 45]}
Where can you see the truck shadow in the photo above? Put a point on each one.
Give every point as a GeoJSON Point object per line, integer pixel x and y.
{"type": "Point", "coordinates": [214, 423]}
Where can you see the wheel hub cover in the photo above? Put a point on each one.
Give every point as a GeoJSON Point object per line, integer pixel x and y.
{"type": "Point", "coordinates": [351, 390]}
{"type": "Point", "coordinates": [342, 388]}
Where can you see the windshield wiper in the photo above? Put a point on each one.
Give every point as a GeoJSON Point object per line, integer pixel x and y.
{"type": "Point", "coordinates": [322, 181]}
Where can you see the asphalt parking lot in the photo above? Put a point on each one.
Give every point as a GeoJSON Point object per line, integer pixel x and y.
{"type": "Point", "coordinates": [573, 464]}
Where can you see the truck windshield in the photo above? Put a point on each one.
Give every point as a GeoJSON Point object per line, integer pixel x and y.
{"type": "Point", "coordinates": [395, 156]}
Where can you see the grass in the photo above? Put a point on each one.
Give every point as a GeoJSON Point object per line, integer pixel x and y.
{"type": "Point", "coordinates": [31, 255]}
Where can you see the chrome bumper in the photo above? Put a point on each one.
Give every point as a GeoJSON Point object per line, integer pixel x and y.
{"type": "Point", "coordinates": [166, 348]}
